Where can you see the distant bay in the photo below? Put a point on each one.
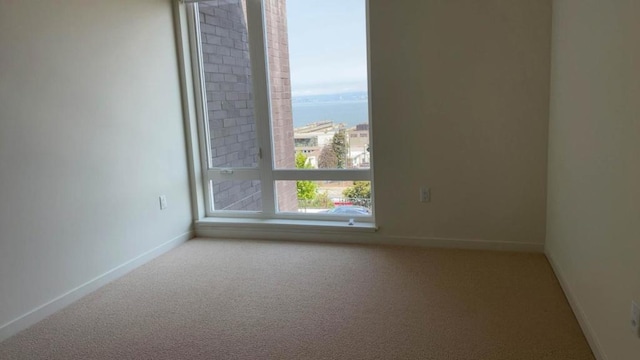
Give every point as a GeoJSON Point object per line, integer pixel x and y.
{"type": "Point", "coordinates": [350, 112]}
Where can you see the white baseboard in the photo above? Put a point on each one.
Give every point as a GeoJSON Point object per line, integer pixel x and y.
{"type": "Point", "coordinates": [357, 237]}
{"type": "Point", "coordinates": [13, 327]}
{"type": "Point", "coordinates": [587, 329]}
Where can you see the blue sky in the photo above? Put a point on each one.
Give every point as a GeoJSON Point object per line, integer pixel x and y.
{"type": "Point", "coordinates": [327, 46]}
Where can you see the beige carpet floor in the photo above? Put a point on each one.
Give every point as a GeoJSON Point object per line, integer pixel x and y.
{"type": "Point", "coordinates": [212, 299]}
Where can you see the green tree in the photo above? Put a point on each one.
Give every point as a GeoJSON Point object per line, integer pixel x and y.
{"type": "Point", "coordinates": [322, 200]}
{"type": "Point", "coordinates": [328, 158]}
{"type": "Point", "coordinates": [340, 148]}
{"type": "Point", "coordinates": [306, 189]}
{"type": "Point", "coordinates": [302, 161]}
{"type": "Point", "coordinates": [359, 193]}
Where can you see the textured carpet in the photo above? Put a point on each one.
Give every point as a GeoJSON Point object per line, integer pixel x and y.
{"type": "Point", "coordinates": [213, 299]}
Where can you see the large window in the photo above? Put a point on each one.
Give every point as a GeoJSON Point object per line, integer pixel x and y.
{"type": "Point", "coordinates": [283, 104]}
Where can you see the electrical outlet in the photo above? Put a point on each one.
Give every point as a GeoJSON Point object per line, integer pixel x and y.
{"type": "Point", "coordinates": [163, 202]}
{"type": "Point", "coordinates": [635, 318]}
{"type": "Point", "coordinates": [425, 194]}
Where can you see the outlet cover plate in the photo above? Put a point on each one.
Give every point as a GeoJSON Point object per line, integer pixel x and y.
{"type": "Point", "coordinates": [163, 202]}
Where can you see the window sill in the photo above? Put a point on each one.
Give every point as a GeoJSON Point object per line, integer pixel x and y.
{"type": "Point", "coordinates": [286, 225]}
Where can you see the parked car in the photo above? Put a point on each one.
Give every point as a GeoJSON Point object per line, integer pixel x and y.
{"type": "Point", "coordinates": [348, 210]}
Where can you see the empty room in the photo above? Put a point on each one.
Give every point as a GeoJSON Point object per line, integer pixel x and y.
{"type": "Point", "coordinates": [306, 179]}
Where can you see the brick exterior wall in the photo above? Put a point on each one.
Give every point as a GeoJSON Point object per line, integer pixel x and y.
{"type": "Point", "coordinates": [281, 113]}
{"type": "Point", "coordinates": [227, 72]}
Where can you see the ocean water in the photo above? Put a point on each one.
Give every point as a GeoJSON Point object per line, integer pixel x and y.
{"type": "Point", "coordinates": [348, 112]}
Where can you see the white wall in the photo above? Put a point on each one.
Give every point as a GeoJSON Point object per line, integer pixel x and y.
{"type": "Point", "coordinates": [90, 134]}
{"type": "Point", "coordinates": [594, 172]}
{"type": "Point", "coordinates": [460, 94]}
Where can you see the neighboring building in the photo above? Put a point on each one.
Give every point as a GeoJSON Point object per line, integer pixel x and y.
{"type": "Point", "coordinates": [359, 145]}
{"type": "Point", "coordinates": [227, 72]}
{"type": "Point", "coordinates": [317, 134]}
{"type": "Point", "coordinates": [359, 136]}
{"type": "Point", "coordinates": [311, 138]}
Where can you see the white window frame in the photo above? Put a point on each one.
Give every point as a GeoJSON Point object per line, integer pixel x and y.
{"type": "Point", "coordinates": [266, 172]}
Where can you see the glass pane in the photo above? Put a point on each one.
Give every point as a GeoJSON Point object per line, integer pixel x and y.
{"type": "Point", "coordinates": [234, 195]}
{"type": "Point", "coordinates": [318, 77]}
{"type": "Point", "coordinates": [348, 198]}
{"type": "Point", "coordinates": [228, 85]}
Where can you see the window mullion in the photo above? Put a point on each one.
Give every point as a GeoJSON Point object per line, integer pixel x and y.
{"type": "Point", "coordinates": [200, 100]}
{"type": "Point", "coordinates": [262, 102]}
{"type": "Point", "coordinates": [323, 174]}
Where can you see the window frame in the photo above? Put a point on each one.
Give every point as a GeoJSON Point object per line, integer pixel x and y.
{"type": "Point", "coordinates": [266, 172]}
